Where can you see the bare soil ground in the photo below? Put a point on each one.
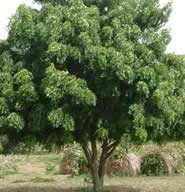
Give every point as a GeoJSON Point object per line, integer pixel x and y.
{"type": "Point", "coordinates": [39, 174]}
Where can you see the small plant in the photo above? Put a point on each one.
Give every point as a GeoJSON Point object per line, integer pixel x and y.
{"type": "Point", "coordinates": [51, 168]}
{"type": "Point", "coordinates": [87, 178]}
{"type": "Point", "coordinates": [82, 165]}
{"type": "Point", "coordinates": [181, 168]}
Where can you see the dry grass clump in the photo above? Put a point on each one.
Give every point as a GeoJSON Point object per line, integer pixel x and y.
{"type": "Point", "coordinates": [74, 163]}
{"type": "Point", "coordinates": [152, 162]}
{"type": "Point", "coordinates": [127, 164]}
{"type": "Point", "coordinates": [170, 164]}
{"type": "Point", "coordinates": [68, 165]}
{"type": "Point", "coordinates": [69, 162]}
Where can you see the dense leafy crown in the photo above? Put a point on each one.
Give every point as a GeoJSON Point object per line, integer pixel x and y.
{"type": "Point", "coordinates": [82, 69]}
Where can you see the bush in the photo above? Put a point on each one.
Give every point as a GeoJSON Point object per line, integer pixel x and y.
{"type": "Point", "coordinates": [153, 164]}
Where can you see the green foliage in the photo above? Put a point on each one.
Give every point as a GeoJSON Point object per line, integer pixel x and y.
{"type": "Point", "coordinates": [153, 164]}
{"type": "Point", "coordinates": [88, 70]}
{"type": "Point", "coordinates": [83, 165]}
{"type": "Point", "coordinates": [15, 121]}
{"type": "Point", "coordinates": [58, 118]}
{"type": "Point", "coordinates": [95, 68]}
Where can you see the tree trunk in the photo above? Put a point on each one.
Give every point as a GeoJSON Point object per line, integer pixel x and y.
{"type": "Point", "coordinates": [97, 181]}
{"type": "Point", "coordinates": [96, 165]}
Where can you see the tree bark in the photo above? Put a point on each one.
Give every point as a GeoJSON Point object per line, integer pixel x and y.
{"type": "Point", "coordinates": [97, 181]}
{"type": "Point", "coordinates": [97, 166]}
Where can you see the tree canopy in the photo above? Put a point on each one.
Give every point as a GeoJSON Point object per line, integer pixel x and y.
{"type": "Point", "coordinates": [91, 71]}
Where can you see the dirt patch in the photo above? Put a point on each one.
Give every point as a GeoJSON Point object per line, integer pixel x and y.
{"type": "Point", "coordinates": [11, 161]}
{"type": "Point", "coordinates": [31, 168]}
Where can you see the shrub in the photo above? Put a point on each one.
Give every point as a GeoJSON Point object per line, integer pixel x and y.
{"type": "Point", "coordinates": [153, 164]}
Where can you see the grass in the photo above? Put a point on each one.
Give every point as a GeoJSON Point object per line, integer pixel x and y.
{"type": "Point", "coordinates": [5, 173]}
{"type": "Point", "coordinates": [19, 181]}
{"type": "Point", "coordinates": [148, 184]}
{"type": "Point", "coordinates": [30, 183]}
{"type": "Point", "coordinates": [13, 181]}
{"type": "Point", "coordinates": [42, 180]}
{"type": "Point", "coordinates": [52, 158]}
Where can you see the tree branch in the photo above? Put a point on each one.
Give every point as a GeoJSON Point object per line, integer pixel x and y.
{"type": "Point", "coordinates": [101, 169]}
{"type": "Point", "coordinates": [87, 152]}
{"type": "Point", "coordinates": [111, 148]}
{"type": "Point", "coordinates": [116, 143]}
{"type": "Point", "coordinates": [94, 149]}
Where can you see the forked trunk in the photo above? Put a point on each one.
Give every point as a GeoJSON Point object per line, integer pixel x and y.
{"type": "Point", "coordinates": [96, 165]}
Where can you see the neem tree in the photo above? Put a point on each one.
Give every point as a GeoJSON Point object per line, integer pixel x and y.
{"type": "Point", "coordinates": [93, 72]}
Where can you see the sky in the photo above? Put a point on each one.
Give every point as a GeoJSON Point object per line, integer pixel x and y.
{"type": "Point", "coordinates": [176, 23]}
